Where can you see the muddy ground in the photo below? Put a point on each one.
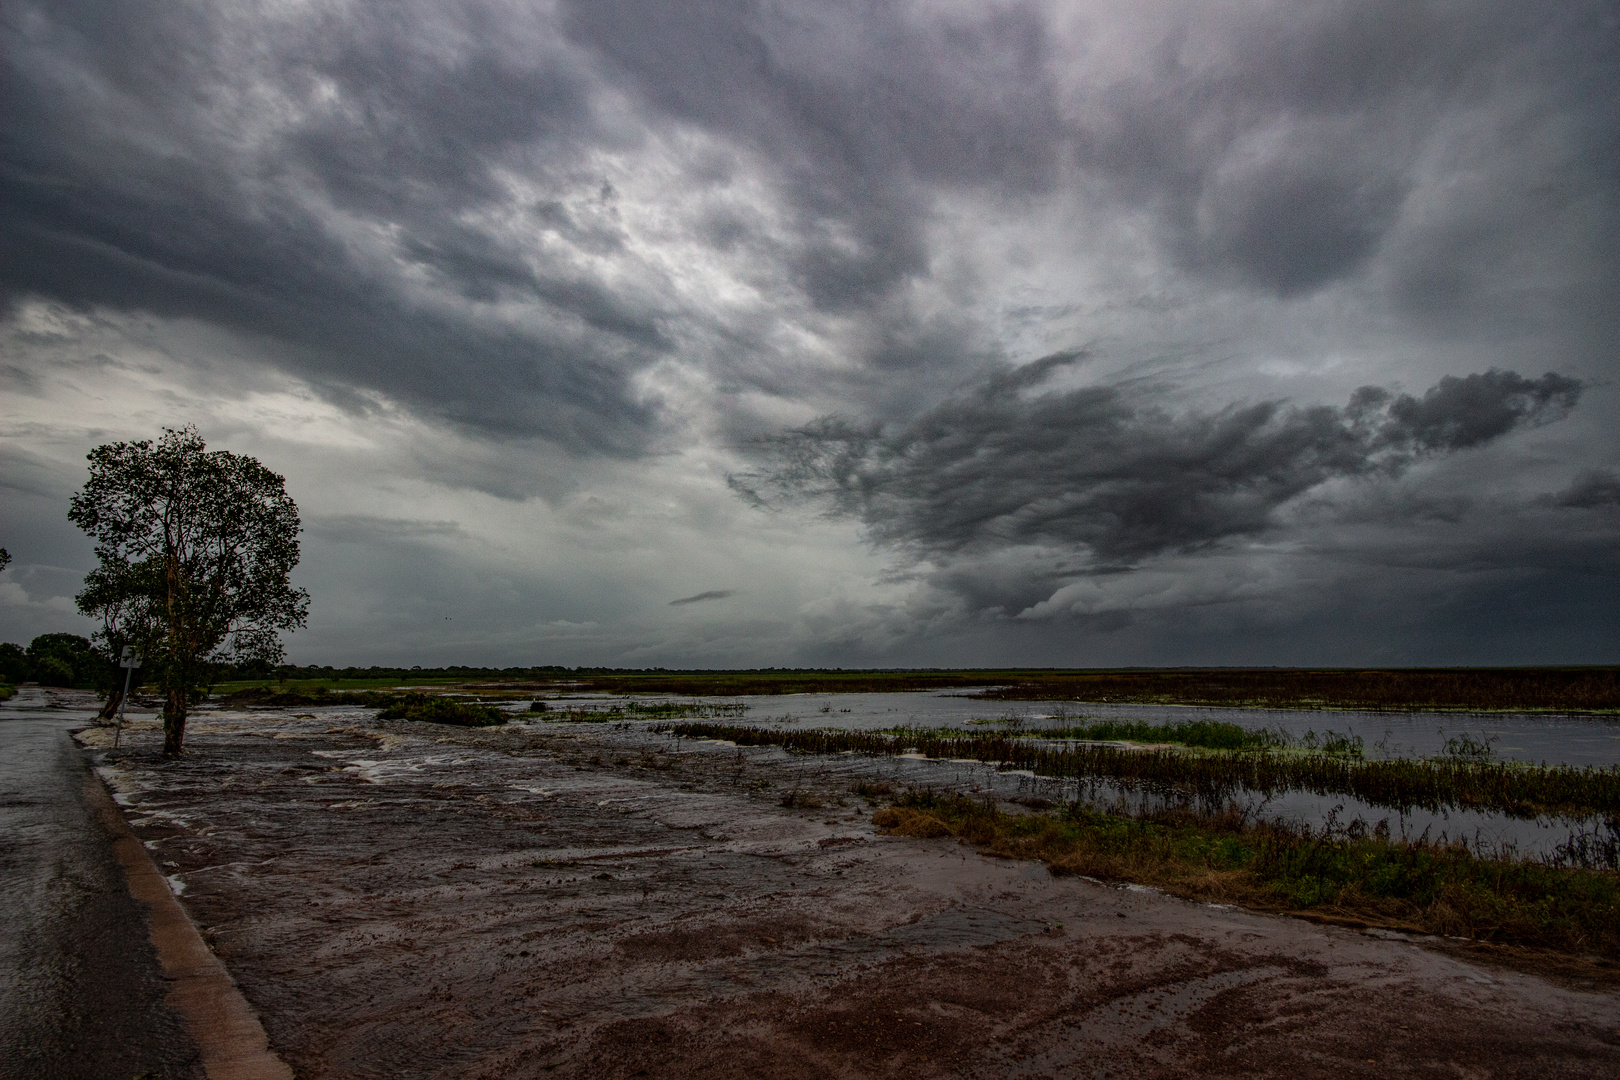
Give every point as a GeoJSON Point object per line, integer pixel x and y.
{"type": "Point", "coordinates": [406, 900]}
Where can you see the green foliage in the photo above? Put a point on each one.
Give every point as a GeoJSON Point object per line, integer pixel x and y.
{"type": "Point", "coordinates": [62, 660]}
{"type": "Point", "coordinates": [195, 549]}
{"type": "Point", "coordinates": [13, 663]}
{"type": "Point", "coordinates": [443, 710]}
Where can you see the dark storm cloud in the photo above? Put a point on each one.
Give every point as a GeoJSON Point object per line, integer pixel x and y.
{"type": "Point", "coordinates": [126, 183]}
{"type": "Point", "coordinates": [1592, 489]}
{"type": "Point", "coordinates": [859, 107]}
{"type": "Point", "coordinates": [1104, 471]}
{"type": "Point", "coordinates": [1279, 146]}
{"type": "Point", "coordinates": [191, 160]}
{"type": "Point", "coordinates": [712, 594]}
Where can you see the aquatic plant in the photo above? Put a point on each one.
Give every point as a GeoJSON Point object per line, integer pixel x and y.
{"type": "Point", "coordinates": [1213, 778]}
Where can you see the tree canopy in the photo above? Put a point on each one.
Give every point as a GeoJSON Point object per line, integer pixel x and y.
{"type": "Point", "coordinates": [196, 549]}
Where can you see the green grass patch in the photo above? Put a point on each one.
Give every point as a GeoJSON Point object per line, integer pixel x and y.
{"type": "Point", "coordinates": [1346, 874]}
{"type": "Point", "coordinates": [6, 691]}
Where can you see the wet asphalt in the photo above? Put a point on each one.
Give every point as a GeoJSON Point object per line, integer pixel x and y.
{"type": "Point", "coordinates": [81, 991]}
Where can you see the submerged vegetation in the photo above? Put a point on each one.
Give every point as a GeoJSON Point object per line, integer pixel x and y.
{"type": "Point", "coordinates": [1213, 778]}
{"type": "Point", "coordinates": [1344, 874]}
{"type": "Point", "coordinates": [1206, 734]}
{"type": "Point", "coordinates": [594, 713]}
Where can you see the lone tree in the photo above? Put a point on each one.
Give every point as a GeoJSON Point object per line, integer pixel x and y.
{"type": "Point", "coordinates": [196, 547]}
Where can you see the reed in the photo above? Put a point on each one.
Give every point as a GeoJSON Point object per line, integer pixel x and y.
{"type": "Point", "coordinates": [1214, 778]}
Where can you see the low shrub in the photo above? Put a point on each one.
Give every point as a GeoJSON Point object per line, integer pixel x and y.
{"type": "Point", "coordinates": [443, 710]}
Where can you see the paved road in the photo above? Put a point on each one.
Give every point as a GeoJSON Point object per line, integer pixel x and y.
{"type": "Point", "coordinates": [81, 994]}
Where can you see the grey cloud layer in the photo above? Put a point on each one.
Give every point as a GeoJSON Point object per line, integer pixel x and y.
{"type": "Point", "coordinates": [612, 228]}
{"type": "Point", "coordinates": [337, 179]}
{"type": "Point", "coordinates": [1103, 470]}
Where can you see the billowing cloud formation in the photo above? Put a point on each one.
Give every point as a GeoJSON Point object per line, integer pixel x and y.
{"type": "Point", "coordinates": [531, 273]}
{"type": "Point", "coordinates": [1100, 469]}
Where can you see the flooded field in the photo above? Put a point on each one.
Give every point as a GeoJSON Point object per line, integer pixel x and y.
{"type": "Point", "coordinates": [1555, 740]}
{"type": "Point", "coordinates": [592, 899]}
{"type": "Point", "coordinates": [1575, 741]}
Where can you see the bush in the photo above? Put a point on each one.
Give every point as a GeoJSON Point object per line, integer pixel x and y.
{"type": "Point", "coordinates": [13, 663]}
{"type": "Point", "coordinates": [53, 671]}
{"type": "Point", "coordinates": [443, 710]}
{"type": "Point", "coordinates": [63, 660]}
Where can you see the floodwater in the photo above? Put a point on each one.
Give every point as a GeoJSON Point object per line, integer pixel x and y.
{"type": "Point", "coordinates": [1554, 740]}
{"type": "Point", "coordinates": [590, 900]}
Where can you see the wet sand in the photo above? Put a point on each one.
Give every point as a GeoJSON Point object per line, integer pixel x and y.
{"type": "Point", "coordinates": [405, 900]}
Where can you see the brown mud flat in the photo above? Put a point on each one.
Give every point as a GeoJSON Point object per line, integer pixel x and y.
{"type": "Point", "coordinates": [404, 900]}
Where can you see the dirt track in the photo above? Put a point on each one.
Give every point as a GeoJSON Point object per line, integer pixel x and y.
{"type": "Point", "coordinates": [407, 901]}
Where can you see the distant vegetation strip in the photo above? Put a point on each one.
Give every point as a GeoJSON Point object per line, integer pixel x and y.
{"type": "Point", "coordinates": [1213, 778]}
{"type": "Point", "coordinates": [1347, 874]}
{"type": "Point", "coordinates": [1565, 690]}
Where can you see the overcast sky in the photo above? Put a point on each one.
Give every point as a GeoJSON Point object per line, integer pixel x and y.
{"type": "Point", "coordinates": [840, 333]}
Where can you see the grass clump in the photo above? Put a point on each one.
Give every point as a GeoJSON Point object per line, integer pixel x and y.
{"type": "Point", "coordinates": [443, 710]}
{"type": "Point", "coordinates": [1204, 734]}
{"type": "Point", "coordinates": [7, 691]}
{"type": "Point", "coordinates": [1352, 874]}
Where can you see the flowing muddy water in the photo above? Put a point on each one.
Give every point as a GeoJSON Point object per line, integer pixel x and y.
{"type": "Point", "coordinates": [598, 900]}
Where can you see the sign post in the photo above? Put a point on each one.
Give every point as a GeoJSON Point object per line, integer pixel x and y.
{"type": "Point", "coordinates": [129, 660]}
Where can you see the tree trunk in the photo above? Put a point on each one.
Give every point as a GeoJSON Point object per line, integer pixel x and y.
{"type": "Point", "coordinates": [174, 722]}
{"type": "Point", "coordinates": [115, 698]}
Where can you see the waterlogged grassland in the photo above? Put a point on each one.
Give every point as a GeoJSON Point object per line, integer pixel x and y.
{"type": "Point", "coordinates": [1213, 778]}
{"type": "Point", "coordinates": [1343, 874]}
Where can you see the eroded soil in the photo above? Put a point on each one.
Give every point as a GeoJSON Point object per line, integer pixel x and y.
{"type": "Point", "coordinates": [404, 900]}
